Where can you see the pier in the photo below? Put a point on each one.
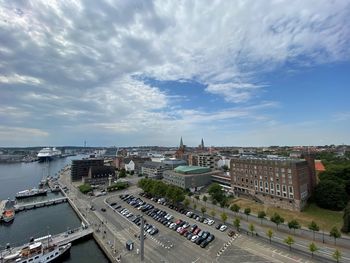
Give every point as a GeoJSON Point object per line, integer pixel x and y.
{"type": "Point", "coordinates": [69, 236]}
{"type": "Point", "coordinates": [33, 205]}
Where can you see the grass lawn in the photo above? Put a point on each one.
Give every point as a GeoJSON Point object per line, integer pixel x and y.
{"type": "Point", "coordinates": [326, 219]}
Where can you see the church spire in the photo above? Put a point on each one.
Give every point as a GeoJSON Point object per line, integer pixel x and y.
{"type": "Point", "coordinates": [181, 143]}
{"type": "Point", "coordinates": [202, 144]}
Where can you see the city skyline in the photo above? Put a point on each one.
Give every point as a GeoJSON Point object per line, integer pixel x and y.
{"type": "Point", "coordinates": [147, 73]}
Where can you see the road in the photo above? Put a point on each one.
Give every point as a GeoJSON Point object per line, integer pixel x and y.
{"type": "Point", "coordinates": [168, 246]}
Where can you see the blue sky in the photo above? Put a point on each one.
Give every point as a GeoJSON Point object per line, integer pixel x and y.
{"type": "Point", "coordinates": [240, 73]}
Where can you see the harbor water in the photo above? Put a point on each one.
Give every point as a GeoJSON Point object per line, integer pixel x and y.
{"type": "Point", "coordinates": [41, 221]}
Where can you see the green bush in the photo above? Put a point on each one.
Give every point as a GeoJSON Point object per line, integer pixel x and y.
{"type": "Point", "coordinates": [85, 188]}
{"type": "Point", "coordinates": [117, 186]}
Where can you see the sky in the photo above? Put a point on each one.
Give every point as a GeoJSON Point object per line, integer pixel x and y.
{"type": "Point", "coordinates": [129, 73]}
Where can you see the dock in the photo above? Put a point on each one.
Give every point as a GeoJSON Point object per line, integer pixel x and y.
{"type": "Point", "coordinates": [69, 236]}
{"type": "Point", "coordinates": [33, 205]}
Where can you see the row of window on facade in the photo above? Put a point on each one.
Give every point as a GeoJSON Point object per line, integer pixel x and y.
{"type": "Point", "coordinates": [263, 167]}
{"type": "Point", "coordinates": [267, 188]}
{"type": "Point", "coordinates": [242, 179]}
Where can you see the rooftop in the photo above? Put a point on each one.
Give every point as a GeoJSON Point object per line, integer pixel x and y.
{"type": "Point", "coordinates": [185, 169]}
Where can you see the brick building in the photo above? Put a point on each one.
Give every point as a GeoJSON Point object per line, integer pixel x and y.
{"type": "Point", "coordinates": [277, 181]}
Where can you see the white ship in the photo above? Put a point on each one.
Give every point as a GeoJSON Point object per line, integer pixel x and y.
{"type": "Point", "coordinates": [31, 193]}
{"type": "Point", "coordinates": [47, 154]}
{"type": "Point", "coordinates": [38, 251]}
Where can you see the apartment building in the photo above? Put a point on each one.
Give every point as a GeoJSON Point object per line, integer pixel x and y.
{"type": "Point", "coordinates": [276, 181]}
{"type": "Point", "coordinates": [209, 160]}
{"type": "Point", "coordinates": [80, 168]}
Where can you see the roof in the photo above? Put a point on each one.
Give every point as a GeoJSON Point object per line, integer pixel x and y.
{"type": "Point", "coordinates": [154, 165]}
{"type": "Point", "coordinates": [319, 166]}
{"type": "Point", "coordinates": [185, 169]}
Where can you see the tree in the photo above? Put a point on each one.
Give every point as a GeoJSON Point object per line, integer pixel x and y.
{"type": "Point", "coordinates": [261, 215]}
{"type": "Point", "coordinates": [313, 248]}
{"type": "Point", "coordinates": [330, 195]}
{"type": "Point", "coordinates": [237, 223]}
{"type": "Point", "coordinates": [205, 199]}
{"type": "Point", "coordinates": [223, 217]}
{"type": "Point", "coordinates": [346, 219]}
{"type": "Point", "coordinates": [122, 173]}
{"type": "Point", "coordinates": [197, 197]}
{"type": "Point", "coordinates": [277, 219]}
{"type": "Point", "coordinates": [194, 206]}
{"type": "Point", "coordinates": [251, 228]}
{"type": "Point", "coordinates": [335, 234]}
{"type": "Point", "coordinates": [337, 255]}
{"type": "Point", "coordinates": [247, 212]}
{"type": "Point", "coordinates": [269, 233]}
{"type": "Point", "coordinates": [186, 202]}
{"type": "Point", "coordinates": [225, 167]}
{"type": "Point", "coordinates": [85, 188]}
{"type": "Point", "coordinates": [216, 192]}
{"type": "Point", "coordinates": [212, 213]}
{"type": "Point", "coordinates": [289, 241]}
{"type": "Point", "coordinates": [203, 210]}
{"type": "Point", "coordinates": [314, 228]}
{"type": "Point", "coordinates": [235, 208]}
{"type": "Point", "coordinates": [294, 224]}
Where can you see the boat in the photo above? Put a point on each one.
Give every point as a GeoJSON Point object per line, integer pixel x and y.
{"type": "Point", "coordinates": [48, 154]}
{"type": "Point", "coordinates": [36, 251]}
{"type": "Point", "coordinates": [31, 193]}
{"type": "Point", "coordinates": [8, 211]}
{"type": "Point", "coordinates": [8, 215]}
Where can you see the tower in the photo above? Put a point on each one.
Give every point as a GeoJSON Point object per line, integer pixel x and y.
{"type": "Point", "coordinates": [202, 144]}
{"type": "Point", "coordinates": [181, 144]}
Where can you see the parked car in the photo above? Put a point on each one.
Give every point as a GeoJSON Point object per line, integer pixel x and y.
{"type": "Point", "coordinates": [218, 226]}
{"type": "Point", "coordinates": [223, 228]}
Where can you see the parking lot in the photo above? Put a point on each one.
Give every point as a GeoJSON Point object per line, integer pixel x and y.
{"type": "Point", "coordinates": [177, 228]}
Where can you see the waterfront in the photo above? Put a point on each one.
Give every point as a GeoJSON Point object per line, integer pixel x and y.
{"type": "Point", "coordinates": [40, 221]}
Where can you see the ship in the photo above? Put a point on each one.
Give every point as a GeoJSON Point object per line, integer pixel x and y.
{"type": "Point", "coordinates": [39, 250]}
{"type": "Point", "coordinates": [48, 154]}
{"type": "Point", "coordinates": [7, 211]}
{"type": "Point", "coordinates": [31, 193]}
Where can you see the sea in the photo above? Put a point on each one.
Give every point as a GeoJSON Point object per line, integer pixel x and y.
{"type": "Point", "coordinates": [40, 222]}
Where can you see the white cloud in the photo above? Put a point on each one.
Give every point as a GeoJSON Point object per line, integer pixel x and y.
{"type": "Point", "coordinates": [10, 136]}
{"type": "Point", "coordinates": [19, 79]}
{"type": "Point", "coordinates": [79, 61]}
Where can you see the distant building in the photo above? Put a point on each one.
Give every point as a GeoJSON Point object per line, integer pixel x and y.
{"type": "Point", "coordinates": [172, 163]}
{"type": "Point", "coordinates": [204, 159]}
{"type": "Point", "coordinates": [180, 153]}
{"type": "Point", "coordinates": [188, 177]}
{"type": "Point", "coordinates": [277, 181]}
{"type": "Point", "coordinates": [80, 168]}
{"type": "Point", "coordinates": [153, 169]}
{"type": "Point", "coordinates": [100, 175]}
{"type": "Point", "coordinates": [133, 163]}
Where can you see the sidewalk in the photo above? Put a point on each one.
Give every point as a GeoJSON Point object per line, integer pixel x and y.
{"type": "Point", "coordinates": [301, 242]}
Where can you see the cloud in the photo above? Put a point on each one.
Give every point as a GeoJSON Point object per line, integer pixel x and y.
{"type": "Point", "coordinates": [234, 92]}
{"type": "Point", "coordinates": [19, 135]}
{"type": "Point", "coordinates": [81, 63]}
{"type": "Point", "coordinates": [15, 79]}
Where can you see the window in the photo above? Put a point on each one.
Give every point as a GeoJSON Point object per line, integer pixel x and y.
{"type": "Point", "coordinates": [256, 182]}
{"type": "Point", "coordinates": [261, 183]}
{"type": "Point", "coordinates": [271, 186]}
{"type": "Point", "coordinates": [277, 187]}
{"type": "Point", "coordinates": [284, 189]}
{"type": "Point", "coordinates": [290, 189]}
